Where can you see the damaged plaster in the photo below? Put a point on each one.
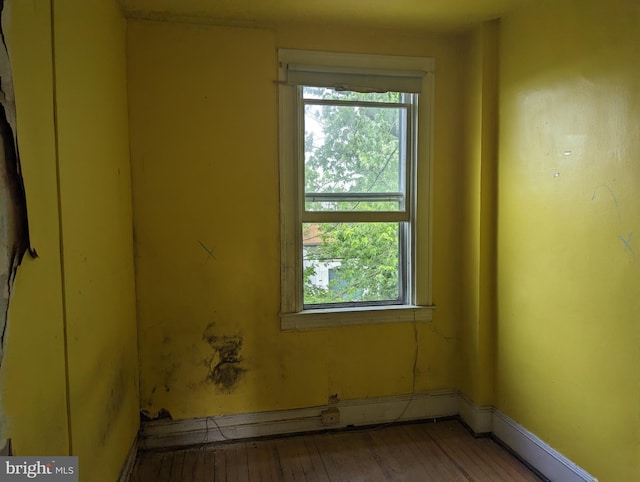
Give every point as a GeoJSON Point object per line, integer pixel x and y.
{"type": "Point", "coordinates": [223, 366]}
{"type": "Point", "coordinates": [163, 414]}
{"type": "Point", "coordinates": [14, 230]}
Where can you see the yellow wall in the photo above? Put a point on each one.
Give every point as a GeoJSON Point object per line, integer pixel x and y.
{"type": "Point", "coordinates": [203, 119]}
{"type": "Point", "coordinates": [73, 134]}
{"type": "Point", "coordinates": [95, 200]}
{"type": "Point", "coordinates": [568, 262]}
{"type": "Point", "coordinates": [34, 400]}
{"type": "Point", "coordinates": [478, 215]}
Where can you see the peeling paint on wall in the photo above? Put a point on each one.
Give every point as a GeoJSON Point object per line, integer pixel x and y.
{"type": "Point", "coordinates": [14, 230]}
{"type": "Point", "coordinates": [163, 414]}
{"type": "Point", "coordinates": [223, 366]}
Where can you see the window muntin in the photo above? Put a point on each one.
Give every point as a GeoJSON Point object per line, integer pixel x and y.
{"type": "Point", "coordinates": [353, 264]}
{"type": "Point", "coordinates": [357, 152]}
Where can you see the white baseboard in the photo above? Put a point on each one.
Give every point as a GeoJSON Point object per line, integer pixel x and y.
{"type": "Point", "coordinates": [479, 419]}
{"type": "Point", "coordinates": [548, 461]}
{"type": "Point", "coordinates": [539, 455]}
{"type": "Point", "coordinates": [369, 411]}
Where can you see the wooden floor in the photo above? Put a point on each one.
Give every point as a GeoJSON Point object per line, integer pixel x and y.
{"type": "Point", "coordinates": [443, 452]}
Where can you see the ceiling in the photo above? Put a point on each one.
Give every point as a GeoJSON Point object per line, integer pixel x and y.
{"type": "Point", "coordinates": [414, 14]}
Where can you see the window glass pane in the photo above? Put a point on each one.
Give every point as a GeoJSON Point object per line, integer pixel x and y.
{"type": "Point", "coordinates": [351, 149]}
{"type": "Point", "coordinates": [351, 262]}
{"type": "Point", "coordinates": [327, 93]}
{"type": "Point", "coordinates": [354, 149]}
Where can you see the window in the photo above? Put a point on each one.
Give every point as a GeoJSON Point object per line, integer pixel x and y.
{"type": "Point", "coordinates": [354, 181]}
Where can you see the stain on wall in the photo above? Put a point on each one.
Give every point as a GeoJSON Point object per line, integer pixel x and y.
{"type": "Point", "coordinates": [170, 372]}
{"type": "Point", "coordinates": [116, 399]}
{"type": "Point", "coordinates": [223, 366]}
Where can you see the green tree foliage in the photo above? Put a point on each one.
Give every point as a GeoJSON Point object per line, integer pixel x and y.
{"type": "Point", "coordinates": [352, 149]}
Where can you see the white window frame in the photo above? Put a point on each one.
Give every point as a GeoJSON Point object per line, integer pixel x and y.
{"type": "Point", "coordinates": [419, 306]}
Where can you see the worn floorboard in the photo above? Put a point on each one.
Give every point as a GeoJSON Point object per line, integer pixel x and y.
{"type": "Point", "coordinates": [440, 452]}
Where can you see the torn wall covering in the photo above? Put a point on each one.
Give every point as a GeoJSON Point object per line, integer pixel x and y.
{"type": "Point", "coordinates": [14, 231]}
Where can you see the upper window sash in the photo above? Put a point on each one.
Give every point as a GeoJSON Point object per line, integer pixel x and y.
{"type": "Point", "coordinates": [312, 201]}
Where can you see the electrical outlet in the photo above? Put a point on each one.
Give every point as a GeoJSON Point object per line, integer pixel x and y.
{"type": "Point", "coordinates": [330, 416]}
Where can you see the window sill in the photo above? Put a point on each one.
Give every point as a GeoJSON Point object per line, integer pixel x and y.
{"type": "Point", "coordinates": [355, 316]}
